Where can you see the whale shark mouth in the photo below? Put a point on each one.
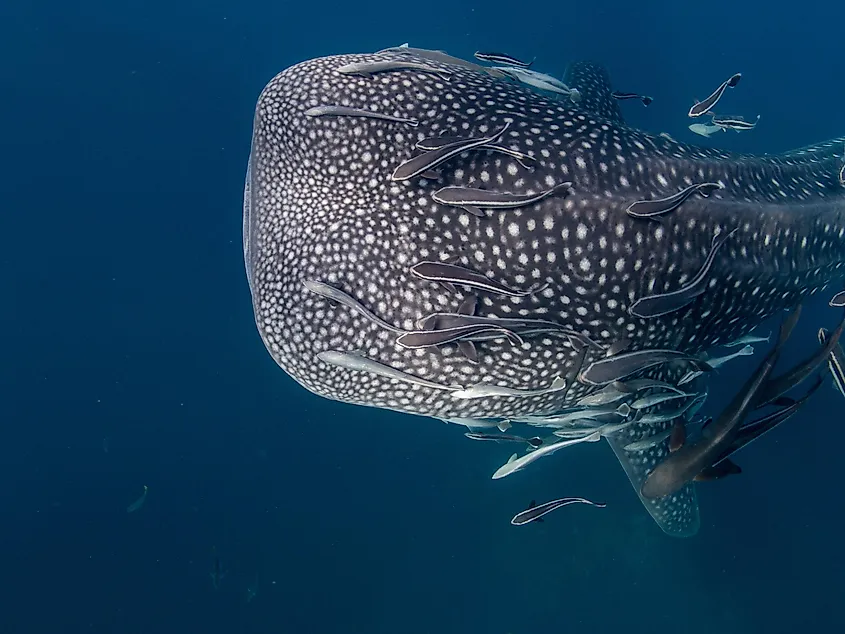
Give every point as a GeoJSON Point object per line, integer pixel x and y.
{"type": "Point", "coordinates": [425, 235]}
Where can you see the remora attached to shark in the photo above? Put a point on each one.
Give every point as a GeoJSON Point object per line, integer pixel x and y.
{"type": "Point", "coordinates": [321, 205]}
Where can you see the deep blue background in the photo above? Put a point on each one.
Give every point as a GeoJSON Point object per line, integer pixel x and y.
{"type": "Point", "coordinates": [126, 319]}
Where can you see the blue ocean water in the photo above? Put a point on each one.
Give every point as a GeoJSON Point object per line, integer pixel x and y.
{"type": "Point", "coordinates": [132, 358]}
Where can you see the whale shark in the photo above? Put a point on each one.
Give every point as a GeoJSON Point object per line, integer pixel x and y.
{"type": "Point", "coordinates": [417, 228]}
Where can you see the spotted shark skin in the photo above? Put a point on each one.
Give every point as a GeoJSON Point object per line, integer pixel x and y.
{"type": "Point", "coordinates": [319, 205]}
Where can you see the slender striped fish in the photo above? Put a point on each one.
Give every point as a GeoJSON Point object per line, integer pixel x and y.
{"type": "Point", "coordinates": [472, 200]}
{"type": "Point", "coordinates": [484, 391]}
{"type": "Point", "coordinates": [535, 511]}
{"type": "Point", "coordinates": [360, 363]}
{"type": "Point", "coordinates": [516, 464]}
{"type": "Point", "coordinates": [665, 303]}
{"type": "Point", "coordinates": [734, 122]}
{"type": "Point", "coordinates": [631, 95]}
{"type": "Point", "coordinates": [716, 362]}
{"type": "Point", "coordinates": [454, 274]}
{"type": "Point", "coordinates": [438, 142]}
{"type": "Point", "coordinates": [702, 107]}
{"type": "Point", "coordinates": [427, 338]}
{"type": "Point", "coordinates": [618, 367]}
{"type": "Point", "coordinates": [368, 69]}
{"type": "Point", "coordinates": [337, 295]}
{"type": "Point", "coordinates": [835, 361]}
{"type": "Point", "coordinates": [344, 111]}
{"type": "Point", "coordinates": [502, 58]}
{"type": "Point", "coordinates": [535, 442]}
{"type": "Point", "coordinates": [416, 165]}
{"type": "Point", "coordinates": [660, 206]}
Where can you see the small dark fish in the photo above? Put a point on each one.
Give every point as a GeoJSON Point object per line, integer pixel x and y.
{"type": "Point", "coordinates": [618, 367]}
{"type": "Point", "coordinates": [468, 350]}
{"type": "Point", "coordinates": [343, 111]}
{"type": "Point", "coordinates": [838, 300]}
{"type": "Point", "coordinates": [501, 58]}
{"type": "Point", "coordinates": [534, 442]}
{"type": "Point", "coordinates": [782, 384]}
{"type": "Point", "coordinates": [664, 303]}
{"type": "Point", "coordinates": [702, 107]}
{"type": "Point", "coordinates": [687, 462]}
{"type": "Point", "coordinates": [534, 511]}
{"type": "Point", "coordinates": [416, 165]}
{"type": "Point", "coordinates": [454, 274]}
{"type": "Point", "coordinates": [367, 69]}
{"type": "Point", "coordinates": [835, 361]}
{"type": "Point", "coordinates": [631, 95]}
{"type": "Point", "coordinates": [734, 123]}
{"type": "Point", "coordinates": [439, 142]}
{"type": "Point", "coordinates": [751, 432]}
{"type": "Point", "coordinates": [336, 295]}
{"type": "Point", "coordinates": [660, 206]}
{"type": "Point", "coordinates": [439, 321]}
{"type": "Point", "coordinates": [429, 338]}
{"type": "Point", "coordinates": [472, 199]}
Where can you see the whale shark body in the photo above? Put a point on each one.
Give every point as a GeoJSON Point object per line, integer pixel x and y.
{"type": "Point", "coordinates": [334, 199]}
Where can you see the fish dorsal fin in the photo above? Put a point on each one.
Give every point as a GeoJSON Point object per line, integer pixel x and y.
{"type": "Point", "coordinates": [504, 425]}
{"type": "Point", "coordinates": [617, 346]}
{"type": "Point", "coordinates": [619, 386]}
{"type": "Point", "coordinates": [511, 459]}
{"type": "Point", "coordinates": [678, 436]}
{"type": "Point", "coordinates": [467, 306]}
{"type": "Point", "coordinates": [532, 504]}
{"type": "Point", "coordinates": [468, 350]}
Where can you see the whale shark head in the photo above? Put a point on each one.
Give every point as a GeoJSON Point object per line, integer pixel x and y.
{"type": "Point", "coordinates": [400, 205]}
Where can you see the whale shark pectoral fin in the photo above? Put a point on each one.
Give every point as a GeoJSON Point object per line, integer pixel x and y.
{"type": "Point", "coordinates": [677, 514]}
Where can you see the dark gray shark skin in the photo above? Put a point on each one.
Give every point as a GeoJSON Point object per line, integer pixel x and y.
{"type": "Point", "coordinates": [319, 205]}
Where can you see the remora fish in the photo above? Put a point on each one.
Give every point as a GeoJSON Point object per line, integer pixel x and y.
{"type": "Point", "coordinates": [688, 461]}
{"type": "Point", "coordinates": [319, 204]}
{"type": "Point", "coordinates": [535, 512]}
{"type": "Point", "coordinates": [785, 382]}
{"type": "Point", "coordinates": [734, 122]}
{"type": "Point", "coordinates": [515, 464]}
{"type": "Point", "coordinates": [747, 339]}
{"type": "Point", "coordinates": [702, 107]}
{"type": "Point", "coordinates": [835, 361]}
{"type": "Point", "coordinates": [749, 433]}
{"type": "Point", "coordinates": [501, 58]}
{"type": "Point", "coordinates": [536, 441]}
{"type": "Point", "coordinates": [630, 95]}
{"type": "Point", "coordinates": [716, 362]}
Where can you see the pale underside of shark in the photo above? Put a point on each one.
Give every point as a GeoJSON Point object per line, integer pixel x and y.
{"type": "Point", "coordinates": [327, 201]}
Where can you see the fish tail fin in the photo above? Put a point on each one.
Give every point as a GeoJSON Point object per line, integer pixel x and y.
{"type": "Point", "coordinates": [677, 514]}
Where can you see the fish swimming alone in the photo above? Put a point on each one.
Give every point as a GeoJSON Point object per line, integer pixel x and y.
{"type": "Point", "coordinates": [535, 512]}
{"type": "Point", "coordinates": [622, 96]}
{"type": "Point", "coordinates": [703, 107]}
{"type": "Point", "coordinates": [323, 203]}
